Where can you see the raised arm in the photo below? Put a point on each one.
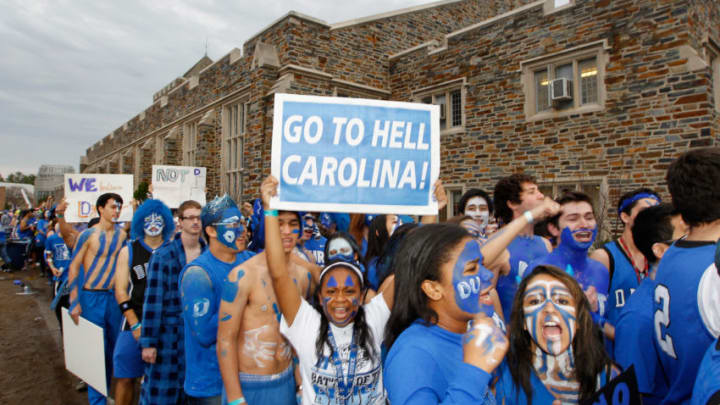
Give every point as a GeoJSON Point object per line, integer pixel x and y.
{"type": "Point", "coordinates": [288, 296]}
{"type": "Point", "coordinates": [441, 198]}
{"type": "Point", "coordinates": [495, 246]}
{"type": "Point", "coordinates": [235, 294]}
{"type": "Point", "coordinates": [197, 294]}
{"type": "Point", "coordinates": [67, 232]}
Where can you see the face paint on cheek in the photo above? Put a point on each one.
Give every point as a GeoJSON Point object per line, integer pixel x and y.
{"type": "Point", "coordinates": [467, 288]}
{"type": "Point", "coordinates": [295, 231]}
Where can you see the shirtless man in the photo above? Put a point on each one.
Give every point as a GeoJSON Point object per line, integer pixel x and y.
{"type": "Point", "coordinates": [255, 360]}
{"type": "Point", "coordinates": [91, 291]}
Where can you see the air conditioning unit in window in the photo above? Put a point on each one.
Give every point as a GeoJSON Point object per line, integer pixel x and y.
{"type": "Point", "coordinates": [561, 89]}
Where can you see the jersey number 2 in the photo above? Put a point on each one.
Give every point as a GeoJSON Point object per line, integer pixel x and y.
{"type": "Point", "coordinates": [662, 321]}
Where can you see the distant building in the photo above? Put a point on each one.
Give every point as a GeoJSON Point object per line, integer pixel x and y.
{"type": "Point", "coordinates": [49, 181]}
{"type": "Point", "coordinates": [598, 95]}
{"type": "Point", "coordinates": [14, 195]}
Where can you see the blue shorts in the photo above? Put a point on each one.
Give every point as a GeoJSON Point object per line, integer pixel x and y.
{"type": "Point", "coordinates": [127, 358]}
{"type": "Point", "coordinates": [276, 389]}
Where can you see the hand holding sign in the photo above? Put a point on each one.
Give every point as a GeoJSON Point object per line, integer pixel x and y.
{"type": "Point", "coordinates": [268, 190]}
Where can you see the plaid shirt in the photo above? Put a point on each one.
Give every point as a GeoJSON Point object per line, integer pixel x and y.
{"type": "Point", "coordinates": [163, 325]}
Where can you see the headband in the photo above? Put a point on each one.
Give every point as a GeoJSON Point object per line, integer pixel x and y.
{"type": "Point", "coordinates": [628, 201]}
{"type": "Point", "coordinates": [348, 265]}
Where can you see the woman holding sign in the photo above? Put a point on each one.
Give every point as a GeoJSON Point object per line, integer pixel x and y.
{"type": "Point", "coordinates": [338, 340]}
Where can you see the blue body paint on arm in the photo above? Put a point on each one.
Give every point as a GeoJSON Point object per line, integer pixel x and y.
{"type": "Point", "coordinates": [199, 308]}
{"type": "Point", "coordinates": [230, 288]}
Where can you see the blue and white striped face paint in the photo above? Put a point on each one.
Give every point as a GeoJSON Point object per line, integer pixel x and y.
{"type": "Point", "coordinates": [153, 224]}
{"type": "Point", "coordinates": [549, 310]}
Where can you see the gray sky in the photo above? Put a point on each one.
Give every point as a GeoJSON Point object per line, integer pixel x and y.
{"type": "Point", "coordinates": [72, 71]}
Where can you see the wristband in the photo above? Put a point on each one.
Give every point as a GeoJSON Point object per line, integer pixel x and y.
{"type": "Point", "coordinates": [61, 216]}
{"type": "Point", "coordinates": [124, 306]}
{"type": "Point", "coordinates": [529, 216]}
{"type": "Point", "coordinates": [136, 326]}
{"type": "Point", "coordinates": [270, 213]}
{"type": "Point", "coordinates": [238, 401]}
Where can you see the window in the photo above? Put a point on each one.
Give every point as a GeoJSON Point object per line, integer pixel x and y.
{"type": "Point", "coordinates": [190, 143]}
{"type": "Point", "coordinates": [235, 118]}
{"type": "Point", "coordinates": [553, 6]}
{"type": "Point", "coordinates": [596, 188]}
{"type": "Point", "coordinates": [453, 206]}
{"type": "Point", "coordinates": [548, 96]}
{"type": "Point", "coordinates": [451, 111]}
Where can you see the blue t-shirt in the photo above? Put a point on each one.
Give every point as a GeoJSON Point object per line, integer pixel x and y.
{"type": "Point", "coordinates": [707, 385]}
{"type": "Point", "coordinates": [60, 254]}
{"type": "Point", "coordinates": [201, 292]}
{"type": "Point", "coordinates": [40, 236]}
{"type": "Point", "coordinates": [523, 250]}
{"type": "Point", "coordinates": [425, 366]}
{"type": "Point", "coordinates": [681, 335]}
{"type": "Point", "coordinates": [635, 343]}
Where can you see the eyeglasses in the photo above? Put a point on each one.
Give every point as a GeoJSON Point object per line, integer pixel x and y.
{"type": "Point", "coordinates": [191, 218]}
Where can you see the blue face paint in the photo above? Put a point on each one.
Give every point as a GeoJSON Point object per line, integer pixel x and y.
{"type": "Point", "coordinates": [349, 281]}
{"type": "Point", "coordinates": [332, 282]}
{"type": "Point", "coordinates": [326, 300]}
{"type": "Point", "coordinates": [296, 231]}
{"type": "Point", "coordinates": [153, 224]}
{"type": "Point", "coordinates": [567, 238]}
{"type": "Point", "coordinates": [561, 314]}
{"type": "Point", "coordinates": [230, 227]}
{"type": "Point", "coordinates": [468, 287]}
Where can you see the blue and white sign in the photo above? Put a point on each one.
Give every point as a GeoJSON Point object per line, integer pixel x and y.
{"type": "Point", "coordinates": [355, 155]}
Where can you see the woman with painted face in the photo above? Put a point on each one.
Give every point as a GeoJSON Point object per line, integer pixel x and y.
{"type": "Point", "coordinates": [442, 288]}
{"type": "Point", "coordinates": [337, 341]}
{"type": "Point", "coordinates": [555, 354]}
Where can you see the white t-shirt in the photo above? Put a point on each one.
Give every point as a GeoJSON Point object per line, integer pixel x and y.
{"type": "Point", "coordinates": [319, 380]}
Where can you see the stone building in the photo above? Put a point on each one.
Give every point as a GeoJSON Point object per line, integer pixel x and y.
{"type": "Point", "coordinates": [49, 181]}
{"type": "Point", "coordinates": [595, 95]}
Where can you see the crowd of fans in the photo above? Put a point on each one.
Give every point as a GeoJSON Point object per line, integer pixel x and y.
{"type": "Point", "coordinates": [514, 301]}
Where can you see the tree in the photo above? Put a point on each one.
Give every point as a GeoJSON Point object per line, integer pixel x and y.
{"type": "Point", "coordinates": [19, 177]}
{"type": "Point", "coordinates": [142, 191]}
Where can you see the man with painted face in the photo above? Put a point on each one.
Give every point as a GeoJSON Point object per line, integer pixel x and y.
{"type": "Point", "coordinates": [201, 284]}
{"type": "Point", "coordinates": [255, 359]}
{"type": "Point", "coordinates": [151, 226]}
{"type": "Point", "coordinates": [576, 228]}
{"type": "Point", "coordinates": [515, 195]}
{"type": "Point", "coordinates": [337, 341]}
{"type": "Point", "coordinates": [478, 205]}
{"type": "Point", "coordinates": [162, 333]}
{"type": "Point", "coordinates": [91, 290]}
{"type": "Point", "coordinates": [625, 262]}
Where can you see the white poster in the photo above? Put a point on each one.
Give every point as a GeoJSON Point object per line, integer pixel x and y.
{"type": "Point", "coordinates": [85, 351]}
{"type": "Point", "coordinates": [82, 191]}
{"type": "Point", "coordinates": [175, 184]}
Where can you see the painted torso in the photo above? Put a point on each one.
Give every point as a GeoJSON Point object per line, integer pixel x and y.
{"type": "Point", "coordinates": [101, 257]}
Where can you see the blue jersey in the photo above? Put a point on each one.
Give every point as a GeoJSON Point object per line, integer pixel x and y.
{"type": "Point", "coordinates": [56, 247]}
{"type": "Point", "coordinates": [623, 282]}
{"type": "Point", "coordinates": [635, 343]}
{"type": "Point", "coordinates": [707, 385]}
{"type": "Point", "coordinates": [316, 246]}
{"type": "Point", "coordinates": [201, 292]}
{"type": "Point", "coordinates": [523, 250]}
{"type": "Point", "coordinates": [40, 236]}
{"type": "Point", "coordinates": [680, 314]}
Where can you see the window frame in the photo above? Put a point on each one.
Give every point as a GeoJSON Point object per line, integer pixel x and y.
{"type": "Point", "coordinates": [550, 62]}
{"type": "Point", "coordinates": [190, 131]}
{"type": "Point", "coordinates": [447, 212]}
{"type": "Point", "coordinates": [446, 89]}
{"type": "Point", "coordinates": [232, 177]}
